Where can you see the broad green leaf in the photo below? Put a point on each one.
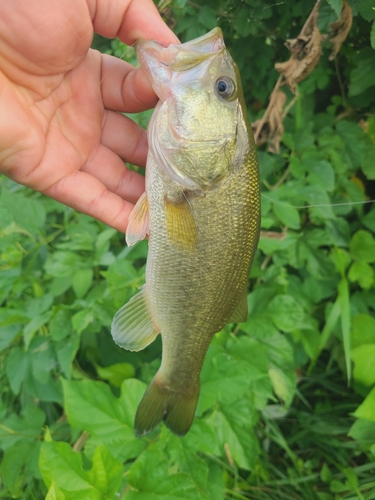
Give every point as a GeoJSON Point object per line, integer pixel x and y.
{"type": "Point", "coordinates": [368, 163]}
{"type": "Point", "coordinates": [321, 174]}
{"type": "Point", "coordinates": [336, 6]}
{"type": "Point", "coordinates": [7, 335]}
{"type": "Point", "coordinates": [42, 360]}
{"type": "Point", "coordinates": [82, 319]}
{"type": "Point", "coordinates": [34, 325]}
{"type": "Point", "coordinates": [66, 351]}
{"type": "Point", "coordinates": [363, 330]}
{"type": "Point", "coordinates": [363, 75]}
{"type": "Point", "coordinates": [369, 219]}
{"type": "Point", "coordinates": [283, 383]}
{"type": "Point", "coordinates": [17, 368]}
{"type": "Point", "coordinates": [207, 17]}
{"type": "Point", "coordinates": [362, 246]}
{"type": "Point", "coordinates": [361, 272]}
{"type": "Point", "coordinates": [287, 214]}
{"type": "Point", "coordinates": [60, 325]}
{"type": "Point", "coordinates": [82, 281]}
{"type": "Point", "coordinates": [363, 357]}
{"type": "Point", "coordinates": [285, 312]}
{"type": "Point", "coordinates": [366, 410]}
{"type": "Point", "coordinates": [117, 373]}
{"type": "Point", "coordinates": [363, 430]}
{"type": "Point", "coordinates": [234, 427]}
{"type": "Point", "coordinates": [54, 493]}
{"type": "Point", "coordinates": [91, 406]}
{"type": "Point", "coordinates": [60, 465]}
{"type": "Point", "coordinates": [14, 465]}
{"type": "Point", "coordinates": [225, 376]}
{"type": "Point", "coordinates": [366, 9]}
{"type": "Point", "coordinates": [150, 479]}
{"type": "Point", "coordinates": [27, 212]}
{"type": "Point", "coordinates": [188, 462]}
{"type": "Point", "coordinates": [318, 201]}
{"type": "Point", "coordinates": [372, 35]}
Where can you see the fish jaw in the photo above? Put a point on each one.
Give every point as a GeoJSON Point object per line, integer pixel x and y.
{"type": "Point", "coordinates": [161, 62]}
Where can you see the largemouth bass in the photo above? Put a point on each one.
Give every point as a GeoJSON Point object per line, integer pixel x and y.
{"type": "Point", "coordinates": [201, 213]}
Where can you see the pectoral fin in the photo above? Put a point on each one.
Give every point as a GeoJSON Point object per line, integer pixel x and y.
{"type": "Point", "coordinates": [132, 326]}
{"type": "Point", "coordinates": [240, 313]}
{"type": "Point", "coordinates": [138, 225]}
{"type": "Point", "coordinates": [181, 226]}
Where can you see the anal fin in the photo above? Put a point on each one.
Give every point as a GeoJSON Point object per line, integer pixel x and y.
{"type": "Point", "coordinates": [132, 326]}
{"type": "Point", "coordinates": [240, 313]}
{"type": "Point", "coordinates": [181, 226]}
{"type": "Point", "coordinates": [138, 225]}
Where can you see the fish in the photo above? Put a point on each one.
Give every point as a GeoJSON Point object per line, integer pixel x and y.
{"type": "Point", "coordinates": [201, 214]}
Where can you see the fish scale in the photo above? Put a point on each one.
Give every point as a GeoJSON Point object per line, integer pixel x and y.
{"type": "Point", "coordinates": [201, 212]}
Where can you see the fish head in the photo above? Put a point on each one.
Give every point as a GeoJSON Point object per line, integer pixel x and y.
{"type": "Point", "coordinates": [197, 132]}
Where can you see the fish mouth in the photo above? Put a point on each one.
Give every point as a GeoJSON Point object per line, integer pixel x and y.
{"type": "Point", "coordinates": [152, 54]}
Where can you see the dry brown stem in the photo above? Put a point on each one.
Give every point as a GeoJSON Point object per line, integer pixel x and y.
{"type": "Point", "coordinates": [306, 50]}
{"type": "Point", "coordinates": [340, 29]}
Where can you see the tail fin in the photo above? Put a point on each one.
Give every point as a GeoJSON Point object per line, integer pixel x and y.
{"type": "Point", "coordinates": [160, 403]}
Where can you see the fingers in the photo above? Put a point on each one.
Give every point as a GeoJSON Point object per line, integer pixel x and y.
{"type": "Point", "coordinates": [123, 136]}
{"type": "Point", "coordinates": [125, 88]}
{"type": "Point", "coordinates": [129, 20]}
{"type": "Point", "coordinates": [87, 192]}
{"type": "Point", "coordinates": [107, 167]}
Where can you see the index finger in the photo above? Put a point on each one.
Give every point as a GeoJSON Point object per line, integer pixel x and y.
{"type": "Point", "coordinates": [130, 20]}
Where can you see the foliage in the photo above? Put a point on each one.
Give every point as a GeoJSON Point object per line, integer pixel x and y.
{"type": "Point", "coordinates": [287, 405]}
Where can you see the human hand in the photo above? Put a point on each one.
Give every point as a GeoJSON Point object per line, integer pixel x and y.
{"type": "Point", "coordinates": [61, 132]}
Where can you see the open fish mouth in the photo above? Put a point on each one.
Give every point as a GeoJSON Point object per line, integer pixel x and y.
{"type": "Point", "coordinates": [180, 57]}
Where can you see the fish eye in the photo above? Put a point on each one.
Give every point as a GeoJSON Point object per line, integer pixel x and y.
{"type": "Point", "coordinates": [225, 87]}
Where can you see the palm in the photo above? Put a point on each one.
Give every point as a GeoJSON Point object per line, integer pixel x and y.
{"type": "Point", "coordinates": [59, 133]}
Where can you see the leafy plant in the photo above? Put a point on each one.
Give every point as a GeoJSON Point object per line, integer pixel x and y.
{"type": "Point", "coordinates": [287, 405]}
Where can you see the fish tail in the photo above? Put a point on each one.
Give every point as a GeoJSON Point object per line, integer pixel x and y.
{"type": "Point", "coordinates": [160, 402]}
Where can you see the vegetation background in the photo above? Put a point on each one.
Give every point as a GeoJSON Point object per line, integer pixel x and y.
{"type": "Point", "coordinates": [287, 406]}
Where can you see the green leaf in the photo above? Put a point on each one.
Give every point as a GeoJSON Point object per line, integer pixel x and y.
{"type": "Point", "coordinates": [60, 325]}
{"type": "Point", "coordinates": [363, 357]}
{"type": "Point", "coordinates": [82, 319]}
{"type": "Point", "coordinates": [207, 17]}
{"type": "Point", "coordinates": [336, 6]}
{"type": "Point", "coordinates": [366, 9]}
{"type": "Point", "coordinates": [61, 466]}
{"type": "Point", "coordinates": [225, 376]}
{"type": "Point", "coordinates": [17, 368]}
{"type": "Point", "coordinates": [368, 162]}
{"type": "Point", "coordinates": [34, 326]}
{"type": "Point", "coordinates": [27, 212]}
{"type": "Point", "coordinates": [321, 174]}
{"type": "Point", "coordinates": [361, 272]}
{"type": "Point", "coordinates": [363, 330]}
{"type": "Point", "coordinates": [372, 35]}
{"type": "Point", "coordinates": [15, 465]}
{"type": "Point", "coordinates": [82, 281]}
{"type": "Point", "coordinates": [151, 479]}
{"type": "Point", "coordinates": [235, 431]}
{"type": "Point", "coordinates": [283, 384]}
{"type": "Point", "coordinates": [362, 76]}
{"type": "Point", "coordinates": [54, 493]}
{"type": "Point", "coordinates": [362, 246]}
{"type": "Point", "coordinates": [117, 373]}
{"type": "Point", "coordinates": [66, 351]}
{"type": "Point", "coordinates": [285, 312]}
{"type": "Point", "coordinates": [367, 409]}
{"type": "Point", "coordinates": [188, 462]}
{"type": "Point", "coordinates": [287, 214]}
{"type": "Point", "coordinates": [91, 406]}
{"type": "Point", "coordinates": [7, 335]}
